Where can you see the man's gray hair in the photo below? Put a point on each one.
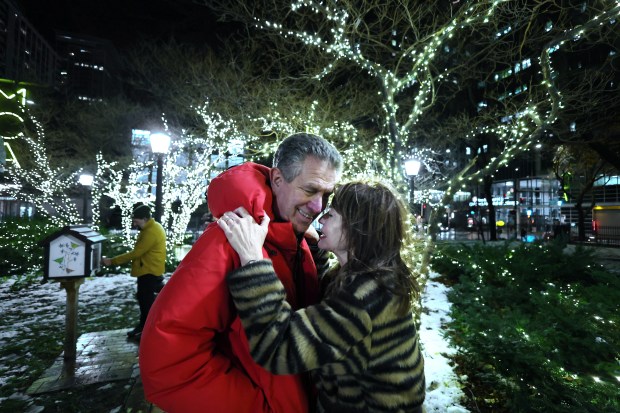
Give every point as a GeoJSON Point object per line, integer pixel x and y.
{"type": "Point", "coordinates": [294, 149]}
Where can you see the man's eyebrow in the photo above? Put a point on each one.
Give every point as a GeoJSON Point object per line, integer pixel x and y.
{"type": "Point", "coordinates": [317, 187]}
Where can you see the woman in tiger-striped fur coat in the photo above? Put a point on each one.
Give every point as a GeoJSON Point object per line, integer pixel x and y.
{"type": "Point", "coordinates": [360, 342]}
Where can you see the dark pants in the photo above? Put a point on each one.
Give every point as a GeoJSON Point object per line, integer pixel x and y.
{"type": "Point", "coordinates": [148, 286]}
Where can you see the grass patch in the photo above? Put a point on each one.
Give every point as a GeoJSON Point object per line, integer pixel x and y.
{"type": "Point", "coordinates": [537, 329]}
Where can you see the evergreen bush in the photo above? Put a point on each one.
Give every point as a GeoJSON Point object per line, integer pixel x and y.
{"type": "Point", "coordinates": [20, 254]}
{"type": "Point", "coordinates": [537, 328]}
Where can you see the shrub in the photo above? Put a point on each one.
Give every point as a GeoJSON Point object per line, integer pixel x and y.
{"type": "Point", "coordinates": [535, 325]}
{"type": "Point", "coordinates": [20, 254]}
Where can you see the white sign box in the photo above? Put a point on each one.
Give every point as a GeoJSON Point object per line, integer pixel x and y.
{"type": "Point", "coordinates": [74, 251]}
{"type": "Point", "coordinates": [67, 256]}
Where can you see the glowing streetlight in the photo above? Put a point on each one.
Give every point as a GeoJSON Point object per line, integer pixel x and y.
{"type": "Point", "coordinates": [412, 168]}
{"type": "Point", "coordinates": [86, 180]}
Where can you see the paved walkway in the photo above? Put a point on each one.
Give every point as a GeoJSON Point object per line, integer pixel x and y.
{"type": "Point", "coordinates": [102, 356]}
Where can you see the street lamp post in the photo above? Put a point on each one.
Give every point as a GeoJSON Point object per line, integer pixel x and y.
{"type": "Point", "coordinates": [159, 145]}
{"type": "Point", "coordinates": [86, 180]}
{"type": "Point", "coordinates": [412, 167]}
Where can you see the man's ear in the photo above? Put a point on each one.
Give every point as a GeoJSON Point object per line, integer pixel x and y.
{"type": "Point", "coordinates": [276, 177]}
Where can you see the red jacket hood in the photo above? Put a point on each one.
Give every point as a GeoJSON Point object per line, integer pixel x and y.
{"type": "Point", "coordinates": [245, 185]}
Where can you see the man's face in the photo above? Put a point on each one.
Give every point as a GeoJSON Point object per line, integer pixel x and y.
{"type": "Point", "coordinates": [302, 199]}
{"type": "Point", "coordinates": [139, 222]}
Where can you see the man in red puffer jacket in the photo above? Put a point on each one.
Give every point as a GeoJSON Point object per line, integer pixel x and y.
{"type": "Point", "coordinates": [194, 355]}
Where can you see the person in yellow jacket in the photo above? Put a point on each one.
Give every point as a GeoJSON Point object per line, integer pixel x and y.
{"type": "Point", "coordinates": [148, 259]}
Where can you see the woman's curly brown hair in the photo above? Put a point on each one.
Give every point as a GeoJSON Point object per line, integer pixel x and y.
{"type": "Point", "coordinates": [374, 226]}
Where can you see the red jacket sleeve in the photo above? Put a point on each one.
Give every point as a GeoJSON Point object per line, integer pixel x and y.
{"type": "Point", "coordinates": [193, 351]}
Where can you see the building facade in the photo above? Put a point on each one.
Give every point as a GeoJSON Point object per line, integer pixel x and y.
{"type": "Point", "coordinates": [25, 56]}
{"type": "Point", "coordinates": [88, 67]}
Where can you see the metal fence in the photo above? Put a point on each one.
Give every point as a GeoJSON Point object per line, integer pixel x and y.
{"type": "Point", "coordinates": [604, 235]}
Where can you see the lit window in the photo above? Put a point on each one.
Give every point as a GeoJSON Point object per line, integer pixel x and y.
{"type": "Point", "coordinates": [573, 127]}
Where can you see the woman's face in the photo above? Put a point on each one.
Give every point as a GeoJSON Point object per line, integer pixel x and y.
{"type": "Point", "coordinates": [333, 237]}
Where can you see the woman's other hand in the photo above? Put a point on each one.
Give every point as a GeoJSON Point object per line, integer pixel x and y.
{"type": "Point", "coordinates": [244, 234]}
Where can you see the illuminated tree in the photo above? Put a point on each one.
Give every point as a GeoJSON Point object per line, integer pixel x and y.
{"type": "Point", "coordinates": [414, 54]}
{"type": "Point", "coordinates": [425, 56]}
{"type": "Point", "coordinates": [489, 64]}
{"type": "Point", "coordinates": [264, 101]}
{"type": "Point", "coordinates": [46, 187]}
{"type": "Point", "coordinates": [187, 169]}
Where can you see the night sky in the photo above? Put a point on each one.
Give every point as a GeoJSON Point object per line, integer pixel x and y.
{"type": "Point", "coordinates": [124, 22]}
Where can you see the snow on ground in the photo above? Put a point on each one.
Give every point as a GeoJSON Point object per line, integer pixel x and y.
{"type": "Point", "coordinates": [45, 303]}
{"type": "Point", "coordinates": [443, 392]}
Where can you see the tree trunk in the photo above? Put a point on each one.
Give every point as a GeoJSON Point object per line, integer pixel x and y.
{"type": "Point", "coordinates": [488, 194]}
{"type": "Point", "coordinates": [581, 227]}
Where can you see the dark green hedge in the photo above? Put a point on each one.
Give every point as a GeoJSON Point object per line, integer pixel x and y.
{"type": "Point", "coordinates": [537, 328]}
